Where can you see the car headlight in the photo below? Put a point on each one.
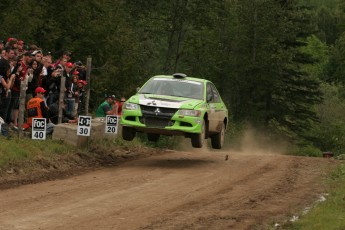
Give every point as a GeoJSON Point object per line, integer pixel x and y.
{"type": "Point", "coordinates": [131, 106]}
{"type": "Point", "coordinates": [189, 112]}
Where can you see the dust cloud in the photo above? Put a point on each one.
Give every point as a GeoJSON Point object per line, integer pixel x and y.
{"type": "Point", "coordinates": [260, 142]}
{"type": "Point", "coordinates": [250, 141]}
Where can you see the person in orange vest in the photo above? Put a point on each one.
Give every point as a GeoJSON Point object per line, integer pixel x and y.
{"type": "Point", "coordinates": [37, 108]}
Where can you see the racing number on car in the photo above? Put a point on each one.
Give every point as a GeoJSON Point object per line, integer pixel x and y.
{"type": "Point", "coordinates": [84, 126]}
{"type": "Point", "coordinates": [111, 124]}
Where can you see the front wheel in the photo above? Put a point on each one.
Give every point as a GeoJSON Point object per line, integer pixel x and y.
{"type": "Point", "coordinates": [128, 133]}
{"type": "Point", "coordinates": [198, 139]}
{"type": "Point", "coordinates": [217, 140]}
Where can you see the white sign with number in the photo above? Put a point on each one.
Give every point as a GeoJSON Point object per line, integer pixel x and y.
{"type": "Point", "coordinates": [111, 124]}
{"type": "Point", "coordinates": [39, 128]}
{"type": "Point", "coordinates": [84, 126]}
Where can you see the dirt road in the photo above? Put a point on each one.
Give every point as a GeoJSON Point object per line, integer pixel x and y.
{"type": "Point", "coordinates": [175, 190]}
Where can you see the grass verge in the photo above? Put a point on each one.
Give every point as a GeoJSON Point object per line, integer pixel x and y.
{"type": "Point", "coordinates": [329, 214]}
{"type": "Point", "coordinates": [24, 161]}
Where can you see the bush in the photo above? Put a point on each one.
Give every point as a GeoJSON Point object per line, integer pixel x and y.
{"type": "Point", "coordinates": [308, 150]}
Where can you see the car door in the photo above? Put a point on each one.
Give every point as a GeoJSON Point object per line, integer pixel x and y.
{"type": "Point", "coordinates": [219, 110]}
{"type": "Point", "coordinates": [212, 116]}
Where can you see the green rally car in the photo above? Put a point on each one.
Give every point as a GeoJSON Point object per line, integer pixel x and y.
{"type": "Point", "coordinates": [176, 105]}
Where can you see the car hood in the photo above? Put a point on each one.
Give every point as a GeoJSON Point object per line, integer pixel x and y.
{"type": "Point", "coordinates": [165, 101]}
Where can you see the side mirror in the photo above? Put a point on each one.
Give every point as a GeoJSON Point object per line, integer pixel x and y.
{"type": "Point", "coordinates": [209, 97]}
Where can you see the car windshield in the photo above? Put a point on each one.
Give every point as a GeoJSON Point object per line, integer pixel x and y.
{"type": "Point", "coordinates": [174, 87]}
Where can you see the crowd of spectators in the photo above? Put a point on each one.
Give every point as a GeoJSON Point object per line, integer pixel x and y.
{"type": "Point", "coordinates": [21, 64]}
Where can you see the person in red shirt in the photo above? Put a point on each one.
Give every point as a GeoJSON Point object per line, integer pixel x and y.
{"type": "Point", "coordinates": [120, 104]}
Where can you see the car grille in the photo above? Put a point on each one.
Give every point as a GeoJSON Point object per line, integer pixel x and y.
{"type": "Point", "coordinates": [157, 117]}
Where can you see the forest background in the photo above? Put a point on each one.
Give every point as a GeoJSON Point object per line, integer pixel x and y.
{"type": "Point", "coordinates": [278, 64]}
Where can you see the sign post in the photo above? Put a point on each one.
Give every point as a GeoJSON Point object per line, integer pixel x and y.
{"type": "Point", "coordinates": [39, 129]}
{"type": "Point", "coordinates": [84, 126]}
{"type": "Point", "coordinates": [111, 125]}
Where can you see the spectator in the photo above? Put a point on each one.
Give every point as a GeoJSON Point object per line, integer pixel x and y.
{"type": "Point", "coordinates": [2, 44]}
{"type": "Point", "coordinates": [3, 53]}
{"type": "Point", "coordinates": [20, 45]}
{"type": "Point", "coordinates": [12, 44]}
{"type": "Point", "coordinates": [7, 82]}
{"type": "Point", "coordinates": [120, 104]}
{"type": "Point", "coordinates": [108, 107]}
{"type": "Point", "coordinates": [14, 105]}
{"type": "Point", "coordinates": [36, 108]}
{"type": "Point", "coordinates": [81, 69]}
{"type": "Point", "coordinates": [46, 70]}
{"type": "Point", "coordinates": [81, 97]}
{"type": "Point", "coordinates": [33, 78]}
{"type": "Point", "coordinates": [66, 55]}
{"type": "Point", "coordinates": [69, 93]}
{"type": "Point", "coordinates": [54, 113]}
{"type": "Point", "coordinates": [74, 91]}
{"type": "Point", "coordinates": [54, 81]}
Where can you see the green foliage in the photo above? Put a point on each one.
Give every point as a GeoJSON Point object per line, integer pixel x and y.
{"type": "Point", "coordinates": [329, 133]}
{"type": "Point", "coordinates": [319, 53]}
{"type": "Point", "coordinates": [306, 150]}
{"type": "Point", "coordinates": [336, 67]}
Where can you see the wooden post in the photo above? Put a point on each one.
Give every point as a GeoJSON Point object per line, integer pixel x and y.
{"type": "Point", "coordinates": [21, 107]}
{"type": "Point", "coordinates": [61, 97]}
{"type": "Point", "coordinates": [88, 75]}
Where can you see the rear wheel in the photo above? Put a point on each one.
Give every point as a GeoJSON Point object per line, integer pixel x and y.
{"type": "Point", "coordinates": [128, 133]}
{"type": "Point", "coordinates": [153, 137]}
{"type": "Point", "coordinates": [198, 139]}
{"type": "Point", "coordinates": [218, 139]}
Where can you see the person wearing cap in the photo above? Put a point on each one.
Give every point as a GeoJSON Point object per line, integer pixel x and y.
{"type": "Point", "coordinates": [37, 55]}
{"type": "Point", "coordinates": [78, 66]}
{"type": "Point", "coordinates": [108, 107]}
{"type": "Point", "coordinates": [12, 43]}
{"type": "Point", "coordinates": [36, 108]}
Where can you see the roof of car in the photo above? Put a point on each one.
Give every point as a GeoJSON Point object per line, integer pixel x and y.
{"type": "Point", "coordinates": [184, 78]}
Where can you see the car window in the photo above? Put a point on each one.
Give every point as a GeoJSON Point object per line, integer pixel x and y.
{"type": "Point", "coordinates": [174, 87]}
{"type": "Point", "coordinates": [209, 92]}
{"type": "Point", "coordinates": [212, 91]}
{"type": "Point", "coordinates": [216, 97]}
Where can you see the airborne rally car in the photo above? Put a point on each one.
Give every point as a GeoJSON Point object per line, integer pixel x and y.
{"type": "Point", "coordinates": [176, 105]}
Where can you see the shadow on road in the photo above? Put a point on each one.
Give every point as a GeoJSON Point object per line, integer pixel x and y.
{"type": "Point", "coordinates": [177, 163]}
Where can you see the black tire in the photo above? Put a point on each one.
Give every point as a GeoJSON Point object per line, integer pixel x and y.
{"type": "Point", "coordinates": [217, 140]}
{"type": "Point", "coordinates": [153, 137]}
{"type": "Point", "coordinates": [128, 133]}
{"type": "Point", "coordinates": [198, 139]}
